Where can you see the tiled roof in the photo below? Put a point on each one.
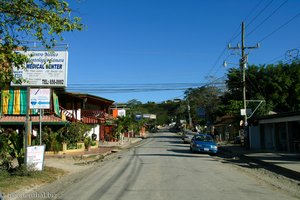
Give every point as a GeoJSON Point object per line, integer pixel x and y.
{"type": "Point", "coordinates": [22, 119]}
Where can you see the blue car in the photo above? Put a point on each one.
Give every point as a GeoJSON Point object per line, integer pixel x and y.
{"type": "Point", "coordinates": [203, 143]}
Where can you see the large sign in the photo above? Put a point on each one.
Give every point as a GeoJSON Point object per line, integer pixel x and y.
{"type": "Point", "coordinates": [35, 157]}
{"type": "Point", "coordinates": [39, 98]}
{"type": "Point", "coordinates": [44, 69]}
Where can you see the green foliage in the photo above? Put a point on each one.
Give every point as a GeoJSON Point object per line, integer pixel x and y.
{"type": "Point", "coordinates": [165, 111]}
{"type": "Point", "coordinates": [207, 98]}
{"type": "Point", "coordinates": [41, 21]}
{"type": "Point", "coordinates": [278, 85]}
{"type": "Point", "coordinates": [71, 134]}
{"type": "Point", "coordinates": [123, 124]}
{"type": "Point", "coordinates": [94, 143]}
{"type": "Point", "coordinates": [74, 132]}
{"type": "Point", "coordinates": [11, 148]}
{"type": "Point", "coordinates": [87, 142]}
{"type": "Point", "coordinates": [127, 124]}
{"type": "Point", "coordinates": [51, 139]}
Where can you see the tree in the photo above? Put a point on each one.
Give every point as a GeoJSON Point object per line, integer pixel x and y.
{"type": "Point", "coordinates": [278, 85]}
{"type": "Point", "coordinates": [204, 98]}
{"type": "Point", "coordinates": [41, 21]}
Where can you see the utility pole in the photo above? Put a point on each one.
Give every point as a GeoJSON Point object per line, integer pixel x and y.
{"type": "Point", "coordinates": [189, 112]}
{"type": "Point", "coordinates": [27, 127]}
{"type": "Point", "coordinates": [243, 65]}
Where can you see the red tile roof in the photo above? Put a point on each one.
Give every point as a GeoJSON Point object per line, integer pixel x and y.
{"type": "Point", "coordinates": [19, 119]}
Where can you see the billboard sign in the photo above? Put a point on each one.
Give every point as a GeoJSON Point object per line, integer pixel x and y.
{"type": "Point", "coordinates": [44, 69]}
{"type": "Point", "coordinates": [39, 98]}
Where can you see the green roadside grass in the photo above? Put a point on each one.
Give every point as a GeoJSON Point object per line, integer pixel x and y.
{"type": "Point", "coordinates": [10, 182]}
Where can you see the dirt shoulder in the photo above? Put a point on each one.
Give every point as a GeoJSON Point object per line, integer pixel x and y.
{"type": "Point", "coordinates": [73, 163]}
{"type": "Point", "coordinates": [76, 167]}
{"type": "Point", "coordinates": [71, 167]}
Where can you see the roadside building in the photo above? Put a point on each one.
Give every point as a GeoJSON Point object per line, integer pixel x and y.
{"type": "Point", "coordinates": [277, 132]}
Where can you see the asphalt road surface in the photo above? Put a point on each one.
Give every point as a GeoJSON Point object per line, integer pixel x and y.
{"type": "Point", "coordinates": [162, 168]}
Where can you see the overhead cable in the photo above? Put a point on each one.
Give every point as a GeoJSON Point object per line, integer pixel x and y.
{"type": "Point", "coordinates": [280, 27]}
{"type": "Point", "coordinates": [261, 11]}
{"type": "Point", "coordinates": [268, 17]}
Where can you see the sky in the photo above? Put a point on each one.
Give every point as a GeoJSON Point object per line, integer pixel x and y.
{"type": "Point", "coordinates": [153, 50]}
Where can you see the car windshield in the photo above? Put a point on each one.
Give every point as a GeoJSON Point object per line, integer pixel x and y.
{"type": "Point", "coordinates": [203, 138]}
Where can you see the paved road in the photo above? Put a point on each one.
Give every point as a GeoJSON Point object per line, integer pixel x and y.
{"type": "Point", "coordinates": [162, 168]}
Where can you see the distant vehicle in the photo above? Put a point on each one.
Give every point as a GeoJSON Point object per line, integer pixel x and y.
{"type": "Point", "coordinates": [187, 136]}
{"type": "Point", "coordinates": [203, 143]}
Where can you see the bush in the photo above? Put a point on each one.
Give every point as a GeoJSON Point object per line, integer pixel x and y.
{"type": "Point", "coordinates": [87, 142]}
{"type": "Point", "coordinates": [52, 140]}
{"type": "Point", "coordinates": [73, 133]}
{"type": "Point", "coordinates": [11, 148]}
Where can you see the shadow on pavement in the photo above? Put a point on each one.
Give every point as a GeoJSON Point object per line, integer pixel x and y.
{"type": "Point", "coordinates": [268, 162]}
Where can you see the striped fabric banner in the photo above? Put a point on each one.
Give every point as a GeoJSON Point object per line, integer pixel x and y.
{"type": "Point", "coordinates": [11, 101]}
{"type": "Point", "coordinates": [17, 102]}
{"type": "Point", "coordinates": [5, 98]}
{"type": "Point", "coordinates": [14, 101]}
{"type": "Point", "coordinates": [23, 98]}
{"type": "Point", "coordinates": [56, 104]}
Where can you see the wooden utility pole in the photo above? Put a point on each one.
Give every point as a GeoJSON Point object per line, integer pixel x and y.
{"type": "Point", "coordinates": [243, 65]}
{"type": "Point", "coordinates": [27, 126]}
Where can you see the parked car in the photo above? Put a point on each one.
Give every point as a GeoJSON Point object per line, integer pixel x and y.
{"type": "Point", "coordinates": [187, 136]}
{"type": "Point", "coordinates": [203, 143]}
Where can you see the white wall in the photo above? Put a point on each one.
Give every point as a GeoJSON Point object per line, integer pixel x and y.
{"type": "Point", "coordinates": [77, 113]}
{"type": "Point", "coordinates": [95, 130]}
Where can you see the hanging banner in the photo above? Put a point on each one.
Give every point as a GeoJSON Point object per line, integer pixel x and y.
{"type": "Point", "coordinates": [44, 69]}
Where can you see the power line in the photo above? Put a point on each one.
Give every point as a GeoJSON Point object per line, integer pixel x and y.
{"type": "Point", "coordinates": [268, 17]}
{"type": "Point", "coordinates": [253, 10]}
{"type": "Point", "coordinates": [238, 31]}
{"type": "Point", "coordinates": [261, 11]}
{"type": "Point", "coordinates": [277, 58]}
{"type": "Point", "coordinates": [133, 88]}
{"type": "Point", "coordinates": [235, 35]}
{"type": "Point", "coordinates": [280, 27]}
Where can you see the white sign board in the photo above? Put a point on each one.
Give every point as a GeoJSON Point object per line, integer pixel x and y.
{"type": "Point", "coordinates": [246, 112]}
{"type": "Point", "coordinates": [39, 98]}
{"type": "Point", "coordinates": [122, 113]}
{"type": "Point", "coordinates": [44, 69]}
{"type": "Point", "coordinates": [152, 116]}
{"type": "Point", "coordinates": [35, 157]}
